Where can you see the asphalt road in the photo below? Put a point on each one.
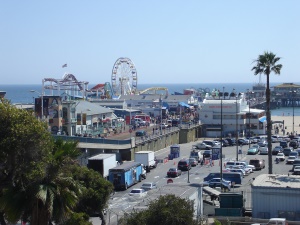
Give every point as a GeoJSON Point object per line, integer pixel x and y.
{"type": "Point", "coordinates": [120, 202]}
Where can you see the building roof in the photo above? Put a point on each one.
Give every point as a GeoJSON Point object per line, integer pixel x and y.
{"type": "Point", "coordinates": [91, 108]}
{"type": "Point", "coordinates": [102, 156]}
{"type": "Point", "coordinates": [287, 85]}
{"type": "Point", "coordinates": [277, 181]}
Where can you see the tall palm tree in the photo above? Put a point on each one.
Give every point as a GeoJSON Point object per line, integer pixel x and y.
{"type": "Point", "coordinates": [52, 197]}
{"type": "Point", "coordinates": [265, 64]}
{"type": "Point", "coordinates": [56, 195]}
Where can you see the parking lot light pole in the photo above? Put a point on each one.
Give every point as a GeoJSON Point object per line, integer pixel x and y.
{"type": "Point", "coordinates": [160, 101]}
{"type": "Point", "coordinates": [221, 148]}
{"type": "Point", "coordinates": [249, 114]}
{"type": "Point", "coordinates": [236, 127]}
{"type": "Point", "coordinates": [293, 99]}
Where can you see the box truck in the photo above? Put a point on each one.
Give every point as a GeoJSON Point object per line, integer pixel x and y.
{"type": "Point", "coordinates": [102, 163]}
{"type": "Point", "coordinates": [126, 175]}
{"type": "Point", "coordinates": [146, 158]}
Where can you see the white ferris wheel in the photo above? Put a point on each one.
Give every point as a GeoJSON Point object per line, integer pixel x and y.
{"type": "Point", "coordinates": [124, 77]}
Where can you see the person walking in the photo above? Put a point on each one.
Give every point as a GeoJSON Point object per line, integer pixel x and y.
{"type": "Point", "coordinates": [210, 162]}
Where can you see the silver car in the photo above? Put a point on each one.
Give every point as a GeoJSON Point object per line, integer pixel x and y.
{"type": "Point", "coordinates": [147, 186]}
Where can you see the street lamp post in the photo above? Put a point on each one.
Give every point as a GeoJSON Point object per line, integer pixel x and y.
{"type": "Point", "coordinates": [221, 147]}
{"type": "Point", "coordinates": [160, 101]}
{"type": "Point", "coordinates": [42, 102]}
{"type": "Point", "coordinates": [249, 115]}
{"type": "Point", "coordinates": [293, 93]}
{"type": "Point", "coordinates": [236, 127]}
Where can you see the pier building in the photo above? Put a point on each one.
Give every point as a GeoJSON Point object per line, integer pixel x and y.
{"type": "Point", "coordinates": [232, 113]}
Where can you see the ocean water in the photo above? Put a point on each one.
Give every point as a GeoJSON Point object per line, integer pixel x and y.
{"type": "Point", "coordinates": [22, 93]}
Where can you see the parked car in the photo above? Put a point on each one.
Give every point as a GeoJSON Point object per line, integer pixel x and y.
{"type": "Point", "coordinates": [283, 144]}
{"type": "Point", "coordinates": [296, 170]}
{"type": "Point", "coordinates": [163, 125]}
{"type": "Point", "coordinates": [298, 150]}
{"type": "Point", "coordinates": [216, 182]}
{"type": "Point", "coordinates": [203, 146]}
{"type": "Point", "coordinates": [184, 164]}
{"type": "Point", "coordinates": [280, 156]}
{"type": "Point", "coordinates": [294, 144]}
{"type": "Point", "coordinates": [275, 138]}
{"type": "Point", "coordinates": [140, 133]}
{"type": "Point", "coordinates": [248, 141]}
{"type": "Point", "coordinates": [258, 163]}
{"type": "Point", "coordinates": [262, 143]}
{"type": "Point", "coordinates": [147, 186]}
{"type": "Point", "coordinates": [211, 143]}
{"type": "Point", "coordinates": [263, 151]}
{"type": "Point", "coordinates": [252, 151]}
{"type": "Point", "coordinates": [276, 150]}
{"type": "Point", "coordinates": [290, 160]}
{"type": "Point", "coordinates": [173, 172]}
{"type": "Point", "coordinates": [231, 141]}
{"type": "Point", "coordinates": [193, 162]}
{"type": "Point", "coordinates": [294, 153]}
{"type": "Point", "coordinates": [256, 146]}
{"type": "Point", "coordinates": [238, 170]}
{"type": "Point", "coordinates": [241, 141]}
{"type": "Point", "coordinates": [287, 151]}
{"type": "Point", "coordinates": [138, 192]}
{"type": "Point", "coordinates": [253, 140]}
{"type": "Point", "coordinates": [225, 143]}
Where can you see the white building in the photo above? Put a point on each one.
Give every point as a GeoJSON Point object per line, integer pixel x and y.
{"type": "Point", "coordinates": [232, 112]}
{"type": "Point", "coordinates": [276, 195]}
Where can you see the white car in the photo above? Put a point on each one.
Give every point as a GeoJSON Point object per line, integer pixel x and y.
{"type": "Point", "coordinates": [138, 192]}
{"type": "Point", "coordinates": [147, 186]}
{"type": "Point", "coordinates": [249, 168]}
{"type": "Point", "coordinates": [290, 160]}
{"type": "Point", "coordinates": [241, 171]}
{"type": "Point", "coordinates": [164, 125]}
{"type": "Point", "coordinates": [280, 156]}
{"type": "Point", "coordinates": [263, 150]}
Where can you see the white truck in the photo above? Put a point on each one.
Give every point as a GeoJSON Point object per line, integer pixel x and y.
{"type": "Point", "coordinates": [146, 158]}
{"type": "Point", "coordinates": [196, 154]}
{"type": "Point", "coordinates": [102, 163]}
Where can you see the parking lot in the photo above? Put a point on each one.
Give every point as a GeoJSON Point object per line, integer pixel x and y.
{"type": "Point", "coordinates": [121, 202]}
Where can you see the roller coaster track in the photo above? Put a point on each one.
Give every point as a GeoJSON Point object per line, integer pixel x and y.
{"type": "Point", "coordinates": [154, 89]}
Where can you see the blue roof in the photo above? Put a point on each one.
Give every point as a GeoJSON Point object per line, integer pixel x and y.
{"type": "Point", "coordinates": [184, 104]}
{"type": "Point", "coordinates": [262, 119]}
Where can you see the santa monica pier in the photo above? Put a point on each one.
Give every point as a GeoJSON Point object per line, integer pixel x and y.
{"type": "Point", "coordinates": [106, 117]}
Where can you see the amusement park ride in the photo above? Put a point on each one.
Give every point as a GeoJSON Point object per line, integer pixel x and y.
{"type": "Point", "coordinates": [123, 82]}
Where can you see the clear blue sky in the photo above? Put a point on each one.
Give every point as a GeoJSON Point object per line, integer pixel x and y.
{"type": "Point", "coordinates": [168, 41]}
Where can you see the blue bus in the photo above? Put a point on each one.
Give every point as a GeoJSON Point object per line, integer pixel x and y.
{"type": "Point", "coordinates": [231, 176]}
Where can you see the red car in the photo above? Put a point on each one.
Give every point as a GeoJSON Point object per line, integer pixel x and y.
{"type": "Point", "coordinates": [173, 172]}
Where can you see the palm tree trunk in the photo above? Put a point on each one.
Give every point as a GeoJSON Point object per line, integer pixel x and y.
{"type": "Point", "coordinates": [269, 125]}
{"type": "Point", "coordinates": [40, 215]}
{"type": "Point", "coordinates": [2, 220]}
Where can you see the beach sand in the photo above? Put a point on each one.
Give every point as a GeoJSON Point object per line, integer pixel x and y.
{"type": "Point", "coordinates": [288, 123]}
